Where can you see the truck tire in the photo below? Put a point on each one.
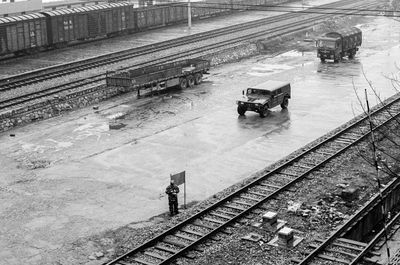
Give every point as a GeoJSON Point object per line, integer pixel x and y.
{"type": "Point", "coordinates": [285, 103]}
{"type": "Point", "coordinates": [241, 110]}
{"type": "Point", "coordinates": [263, 112]}
{"type": "Point", "coordinates": [190, 81]}
{"type": "Point", "coordinates": [182, 83]}
{"type": "Point", "coordinates": [198, 78]}
{"type": "Point", "coordinates": [323, 60]}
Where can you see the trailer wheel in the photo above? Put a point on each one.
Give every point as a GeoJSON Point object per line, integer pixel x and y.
{"type": "Point", "coordinates": [190, 81]}
{"type": "Point", "coordinates": [182, 83]}
{"type": "Point", "coordinates": [198, 78]}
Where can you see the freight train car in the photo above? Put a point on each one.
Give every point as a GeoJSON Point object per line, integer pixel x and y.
{"type": "Point", "coordinates": [67, 25]}
{"type": "Point", "coordinates": [175, 13]}
{"type": "Point", "coordinates": [58, 28]}
{"type": "Point", "coordinates": [23, 34]}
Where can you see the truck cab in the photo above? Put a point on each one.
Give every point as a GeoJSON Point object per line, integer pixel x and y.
{"type": "Point", "coordinates": [264, 96]}
{"type": "Point", "coordinates": [329, 48]}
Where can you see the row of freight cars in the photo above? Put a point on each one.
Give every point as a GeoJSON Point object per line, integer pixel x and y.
{"type": "Point", "coordinates": [52, 29]}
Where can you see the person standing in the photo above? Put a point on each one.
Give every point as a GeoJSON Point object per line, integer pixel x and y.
{"type": "Point", "coordinates": [172, 191]}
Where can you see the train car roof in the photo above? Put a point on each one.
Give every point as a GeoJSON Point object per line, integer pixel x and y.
{"type": "Point", "coordinates": [4, 20]}
{"type": "Point", "coordinates": [65, 11]}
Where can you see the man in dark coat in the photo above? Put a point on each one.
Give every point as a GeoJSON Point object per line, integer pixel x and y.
{"type": "Point", "coordinates": [172, 191]}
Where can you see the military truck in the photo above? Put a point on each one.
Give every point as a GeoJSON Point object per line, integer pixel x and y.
{"type": "Point", "coordinates": [264, 96]}
{"type": "Point", "coordinates": [336, 45]}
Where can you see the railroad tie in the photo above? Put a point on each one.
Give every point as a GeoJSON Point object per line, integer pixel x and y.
{"type": "Point", "coordinates": [214, 220]}
{"type": "Point", "coordinates": [326, 257]}
{"type": "Point", "coordinates": [121, 262]}
{"type": "Point", "coordinates": [235, 207]}
{"type": "Point", "coordinates": [355, 248]}
{"type": "Point", "coordinates": [227, 212]}
{"type": "Point", "coordinates": [204, 225]}
{"type": "Point", "coordinates": [257, 193]}
{"type": "Point", "coordinates": [186, 230]}
{"type": "Point", "coordinates": [175, 243]}
{"type": "Point", "coordinates": [352, 242]}
{"type": "Point", "coordinates": [167, 249]}
{"type": "Point", "coordinates": [288, 176]}
{"type": "Point", "coordinates": [342, 142]}
{"type": "Point", "coordinates": [243, 203]}
{"type": "Point", "coordinates": [221, 215]}
{"type": "Point", "coordinates": [155, 255]}
{"type": "Point", "coordinates": [249, 198]}
{"type": "Point", "coordinates": [270, 185]}
{"type": "Point", "coordinates": [324, 153]}
{"type": "Point", "coordinates": [302, 166]}
{"type": "Point", "coordinates": [337, 251]}
{"type": "Point", "coordinates": [185, 237]}
{"type": "Point", "coordinates": [142, 261]}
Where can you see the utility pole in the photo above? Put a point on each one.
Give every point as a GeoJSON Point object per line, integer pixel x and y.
{"type": "Point", "coordinates": [189, 16]}
{"type": "Point", "coordinates": [374, 156]}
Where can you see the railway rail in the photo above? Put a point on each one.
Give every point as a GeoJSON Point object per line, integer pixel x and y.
{"type": "Point", "coordinates": [98, 79]}
{"type": "Point", "coordinates": [340, 249]}
{"type": "Point", "coordinates": [187, 235]}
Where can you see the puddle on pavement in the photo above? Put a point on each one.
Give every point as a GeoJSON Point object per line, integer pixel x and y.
{"type": "Point", "coordinates": [268, 69]}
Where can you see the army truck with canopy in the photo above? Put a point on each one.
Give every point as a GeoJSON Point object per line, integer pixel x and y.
{"type": "Point", "coordinates": [336, 45]}
{"type": "Point", "coordinates": [264, 96]}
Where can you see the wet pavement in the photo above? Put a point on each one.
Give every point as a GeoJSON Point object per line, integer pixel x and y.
{"type": "Point", "coordinates": [88, 178]}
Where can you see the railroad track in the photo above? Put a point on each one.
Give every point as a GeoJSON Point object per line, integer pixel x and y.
{"type": "Point", "coordinates": [85, 64]}
{"type": "Point", "coordinates": [178, 241]}
{"type": "Point", "coordinates": [340, 249]}
{"type": "Point", "coordinates": [98, 79]}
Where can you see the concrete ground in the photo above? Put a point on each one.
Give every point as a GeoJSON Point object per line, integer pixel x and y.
{"type": "Point", "coordinates": [70, 177]}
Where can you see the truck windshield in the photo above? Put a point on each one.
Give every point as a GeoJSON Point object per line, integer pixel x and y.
{"type": "Point", "coordinates": [326, 44]}
{"type": "Point", "coordinates": [251, 91]}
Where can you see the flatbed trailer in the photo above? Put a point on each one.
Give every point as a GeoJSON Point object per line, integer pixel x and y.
{"type": "Point", "coordinates": [183, 73]}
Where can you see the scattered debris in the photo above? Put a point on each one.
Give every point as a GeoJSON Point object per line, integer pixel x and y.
{"type": "Point", "coordinates": [253, 237]}
{"type": "Point", "coordinates": [113, 125]}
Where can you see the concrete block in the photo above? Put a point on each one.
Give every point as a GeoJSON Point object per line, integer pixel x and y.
{"type": "Point", "coordinates": [270, 218]}
{"type": "Point", "coordinates": [285, 239]}
{"type": "Point", "coordinates": [286, 236]}
{"type": "Point", "coordinates": [350, 194]}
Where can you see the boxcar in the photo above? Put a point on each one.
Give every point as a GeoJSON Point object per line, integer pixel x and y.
{"type": "Point", "coordinates": [65, 25]}
{"type": "Point", "coordinates": [81, 23]}
{"type": "Point", "coordinates": [176, 13]}
{"type": "Point", "coordinates": [21, 34]}
{"type": "Point", "coordinates": [150, 17]}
